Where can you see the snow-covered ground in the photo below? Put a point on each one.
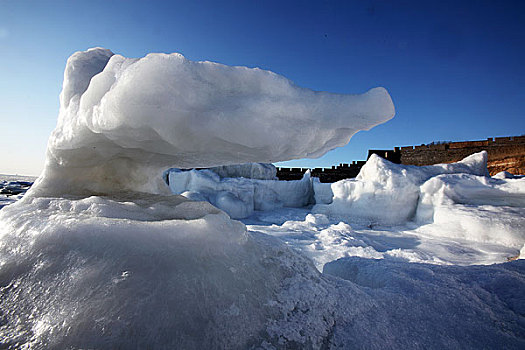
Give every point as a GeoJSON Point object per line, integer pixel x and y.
{"type": "Point", "coordinates": [441, 214]}
{"type": "Point", "coordinates": [325, 239]}
{"type": "Point", "coordinates": [98, 253]}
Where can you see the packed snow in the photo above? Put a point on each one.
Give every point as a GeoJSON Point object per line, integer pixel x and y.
{"type": "Point", "coordinates": [388, 193]}
{"type": "Point", "coordinates": [99, 253]}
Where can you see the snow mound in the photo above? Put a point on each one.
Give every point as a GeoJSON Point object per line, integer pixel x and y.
{"type": "Point", "coordinates": [388, 193]}
{"type": "Point", "coordinates": [476, 208]}
{"type": "Point", "coordinates": [152, 272]}
{"type": "Point", "coordinates": [457, 200]}
{"type": "Point", "coordinates": [123, 121]}
{"type": "Point", "coordinates": [239, 196]}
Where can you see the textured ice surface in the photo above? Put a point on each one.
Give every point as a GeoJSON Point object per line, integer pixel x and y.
{"type": "Point", "coordinates": [384, 192]}
{"type": "Point", "coordinates": [164, 272]}
{"type": "Point", "coordinates": [323, 238]}
{"type": "Point", "coordinates": [124, 121]}
{"type": "Point", "coordinates": [419, 306]}
{"type": "Point", "coordinates": [240, 196]}
{"type": "Point", "coordinates": [151, 272]}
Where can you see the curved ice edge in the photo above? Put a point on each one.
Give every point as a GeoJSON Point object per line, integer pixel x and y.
{"type": "Point", "coordinates": [123, 121]}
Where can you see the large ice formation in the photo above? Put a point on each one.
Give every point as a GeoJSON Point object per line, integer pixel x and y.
{"type": "Point", "coordinates": [94, 256]}
{"type": "Point", "coordinates": [123, 121]}
{"type": "Point", "coordinates": [151, 272]}
{"type": "Point", "coordinates": [457, 200]}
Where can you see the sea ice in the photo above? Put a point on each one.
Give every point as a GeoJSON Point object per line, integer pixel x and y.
{"type": "Point", "coordinates": [124, 121]}
{"type": "Point", "coordinates": [240, 196]}
{"type": "Point", "coordinates": [388, 193]}
{"type": "Point", "coordinates": [440, 214]}
{"type": "Point", "coordinates": [94, 256]}
{"type": "Point", "coordinates": [150, 272]}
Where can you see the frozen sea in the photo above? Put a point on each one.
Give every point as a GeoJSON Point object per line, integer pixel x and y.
{"type": "Point", "coordinates": [13, 187]}
{"type": "Point", "coordinates": [324, 240]}
{"type": "Point", "coordinates": [99, 254]}
{"type": "Point", "coordinates": [380, 286]}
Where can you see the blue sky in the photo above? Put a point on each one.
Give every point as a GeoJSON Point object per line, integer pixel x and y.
{"type": "Point", "coordinates": [454, 69]}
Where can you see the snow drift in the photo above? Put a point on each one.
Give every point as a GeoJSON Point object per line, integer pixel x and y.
{"type": "Point", "coordinates": [384, 192]}
{"type": "Point", "coordinates": [456, 200]}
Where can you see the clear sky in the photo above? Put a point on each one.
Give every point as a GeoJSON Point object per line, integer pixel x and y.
{"type": "Point", "coordinates": [455, 69]}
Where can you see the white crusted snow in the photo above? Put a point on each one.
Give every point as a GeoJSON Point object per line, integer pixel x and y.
{"type": "Point", "coordinates": [441, 214]}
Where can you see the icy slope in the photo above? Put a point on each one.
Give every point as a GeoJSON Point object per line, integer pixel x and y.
{"type": "Point", "coordinates": [150, 272]}
{"type": "Point", "coordinates": [123, 121]}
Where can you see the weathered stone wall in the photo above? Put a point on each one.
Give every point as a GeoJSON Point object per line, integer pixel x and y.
{"type": "Point", "coordinates": [504, 153]}
{"type": "Point", "coordinates": [333, 174]}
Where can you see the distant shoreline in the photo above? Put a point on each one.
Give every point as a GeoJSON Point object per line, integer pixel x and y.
{"type": "Point", "coordinates": [7, 177]}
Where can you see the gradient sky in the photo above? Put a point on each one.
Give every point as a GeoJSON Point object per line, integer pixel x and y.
{"type": "Point", "coordinates": [455, 69]}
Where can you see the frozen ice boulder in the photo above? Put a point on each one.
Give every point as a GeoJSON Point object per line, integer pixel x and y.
{"type": "Point", "coordinates": [94, 256]}
{"type": "Point", "coordinates": [388, 193]}
{"type": "Point", "coordinates": [240, 196]}
{"type": "Point", "coordinates": [123, 121]}
{"type": "Point", "coordinates": [457, 200]}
